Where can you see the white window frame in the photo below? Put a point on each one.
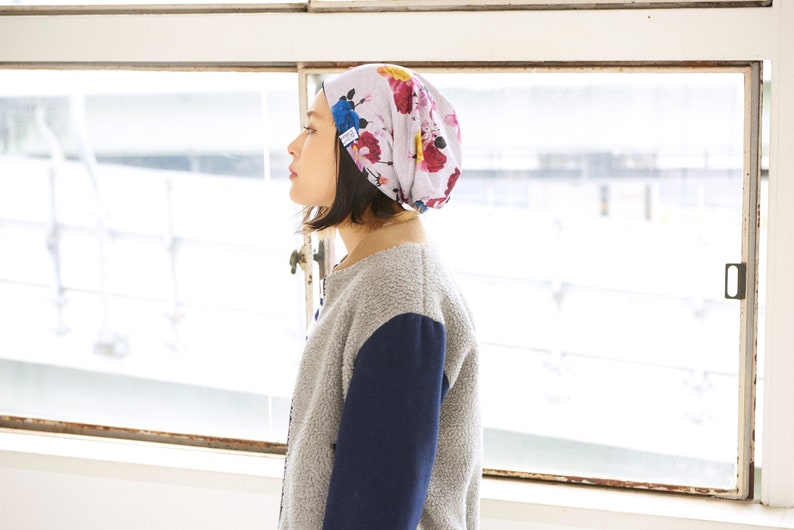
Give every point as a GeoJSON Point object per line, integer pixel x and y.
{"type": "Point", "coordinates": [232, 40]}
{"type": "Point", "coordinates": [318, 6]}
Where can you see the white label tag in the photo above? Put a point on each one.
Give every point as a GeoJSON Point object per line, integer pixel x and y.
{"type": "Point", "coordinates": [349, 136]}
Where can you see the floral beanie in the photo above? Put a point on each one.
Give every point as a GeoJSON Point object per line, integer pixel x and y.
{"type": "Point", "coordinates": [401, 132]}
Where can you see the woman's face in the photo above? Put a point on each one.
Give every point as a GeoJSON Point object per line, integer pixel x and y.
{"type": "Point", "coordinates": [313, 169]}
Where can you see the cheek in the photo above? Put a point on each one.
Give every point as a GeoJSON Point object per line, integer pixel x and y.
{"type": "Point", "coordinates": [318, 168]}
{"type": "Point", "coordinates": [330, 185]}
{"type": "Point", "coordinates": [319, 152]}
{"type": "Point", "coordinates": [331, 170]}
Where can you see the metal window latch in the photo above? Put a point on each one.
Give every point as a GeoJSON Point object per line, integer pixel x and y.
{"type": "Point", "coordinates": [296, 258]}
{"type": "Point", "coordinates": [735, 281]}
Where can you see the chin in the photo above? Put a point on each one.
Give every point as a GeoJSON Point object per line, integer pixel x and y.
{"type": "Point", "coordinates": [295, 197]}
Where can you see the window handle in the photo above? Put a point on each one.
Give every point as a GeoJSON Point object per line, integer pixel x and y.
{"type": "Point", "coordinates": [297, 258]}
{"type": "Point", "coordinates": [735, 281]}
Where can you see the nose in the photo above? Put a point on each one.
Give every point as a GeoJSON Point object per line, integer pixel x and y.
{"type": "Point", "coordinates": [294, 146]}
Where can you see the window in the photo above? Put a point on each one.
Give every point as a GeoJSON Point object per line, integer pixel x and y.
{"type": "Point", "coordinates": [594, 222]}
{"type": "Point", "coordinates": [509, 40]}
{"type": "Point", "coordinates": [626, 190]}
{"type": "Point", "coordinates": [146, 235]}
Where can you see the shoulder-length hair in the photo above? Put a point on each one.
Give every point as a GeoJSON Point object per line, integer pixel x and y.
{"type": "Point", "coordinates": [356, 198]}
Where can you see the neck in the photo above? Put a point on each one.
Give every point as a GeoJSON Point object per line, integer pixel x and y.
{"type": "Point", "coordinates": [352, 234]}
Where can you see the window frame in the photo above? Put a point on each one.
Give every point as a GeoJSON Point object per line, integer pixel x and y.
{"type": "Point", "coordinates": [25, 44]}
{"type": "Point", "coordinates": [445, 5]}
{"type": "Point", "coordinates": [383, 6]}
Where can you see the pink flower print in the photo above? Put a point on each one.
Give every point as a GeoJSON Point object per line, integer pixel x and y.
{"type": "Point", "coordinates": [402, 87]}
{"type": "Point", "coordinates": [434, 203]}
{"type": "Point", "coordinates": [428, 130]}
{"type": "Point", "coordinates": [423, 100]}
{"type": "Point", "coordinates": [403, 95]}
{"type": "Point", "coordinates": [366, 150]}
{"type": "Point", "coordinates": [452, 121]}
{"type": "Point", "coordinates": [432, 159]}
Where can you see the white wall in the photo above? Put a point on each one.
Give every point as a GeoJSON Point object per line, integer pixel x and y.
{"type": "Point", "coordinates": [57, 482]}
{"type": "Point", "coordinates": [44, 492]}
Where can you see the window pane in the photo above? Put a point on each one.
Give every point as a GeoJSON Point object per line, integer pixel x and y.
{"type": "Point", "coordinates": [145, 234]}
{"type": "Point", "coordinates": [603, 207]}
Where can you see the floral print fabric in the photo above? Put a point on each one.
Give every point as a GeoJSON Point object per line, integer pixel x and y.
{"type": "Point", "coordinates": [401, 131]}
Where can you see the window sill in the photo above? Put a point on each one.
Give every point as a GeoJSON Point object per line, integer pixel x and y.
{"type": "Point", "coordinates": [142, 453]}
{"type": "Point", "coordinates": [611, 509]}
{"type": "Point", "coordinates": [504, 502]}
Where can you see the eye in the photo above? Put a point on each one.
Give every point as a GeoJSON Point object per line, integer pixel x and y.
{"type": "Point", "coordinates": [309, 129]}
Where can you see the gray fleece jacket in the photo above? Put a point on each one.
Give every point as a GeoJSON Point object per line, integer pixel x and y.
{"type": "Point", "coordinates": [385, 427]}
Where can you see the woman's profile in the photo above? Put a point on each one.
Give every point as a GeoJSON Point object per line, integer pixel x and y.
{"type": "Point", "coordinates": [385, 427]}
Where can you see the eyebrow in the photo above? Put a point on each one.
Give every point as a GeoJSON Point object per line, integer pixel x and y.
{"type": "Point", "coordinates": [312, 114]}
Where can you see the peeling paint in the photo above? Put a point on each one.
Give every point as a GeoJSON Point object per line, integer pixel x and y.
{"type": "Point", "coordinates": [125, 433]}
{"type": "Point", "coordinates": [612, 483]}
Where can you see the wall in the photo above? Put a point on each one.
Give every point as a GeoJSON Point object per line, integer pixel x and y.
{"type": "Point", "coordinates": [60, 482]}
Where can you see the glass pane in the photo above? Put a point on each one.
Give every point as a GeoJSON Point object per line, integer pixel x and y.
{"type": "Point", "coordinates": [603, 207]}
{"type": "Point", "coordinates": [145, 235]}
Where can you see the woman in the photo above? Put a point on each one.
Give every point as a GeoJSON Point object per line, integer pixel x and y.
{"type": "Point", "coordinates": [384, 429]}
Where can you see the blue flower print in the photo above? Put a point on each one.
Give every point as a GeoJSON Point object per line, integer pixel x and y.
{"type": "Point", "coordinates": [420, 206]}
{"type": "Point", "coordinates": [346, 118]}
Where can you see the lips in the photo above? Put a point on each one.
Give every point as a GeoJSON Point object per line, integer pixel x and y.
{"type": "Point", "coordinates": [292, 173]}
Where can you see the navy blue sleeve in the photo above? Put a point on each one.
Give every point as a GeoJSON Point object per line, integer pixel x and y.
{"type": "Point", "coordinates": [388, 432]}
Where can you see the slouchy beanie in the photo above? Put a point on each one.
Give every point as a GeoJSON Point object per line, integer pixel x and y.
{"type": "Point", "coordinates": [400, 130]}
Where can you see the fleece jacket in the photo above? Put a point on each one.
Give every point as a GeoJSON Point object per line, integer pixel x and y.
{"type": "Point", "coordinates": [385, 426]}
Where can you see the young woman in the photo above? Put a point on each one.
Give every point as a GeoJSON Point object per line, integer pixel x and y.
{"type": "Point", "coordinates": [385, 429]}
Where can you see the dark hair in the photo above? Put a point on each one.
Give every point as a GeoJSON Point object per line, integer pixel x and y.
{"type": "Point", "coordinates": [355, 196]}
